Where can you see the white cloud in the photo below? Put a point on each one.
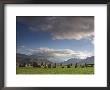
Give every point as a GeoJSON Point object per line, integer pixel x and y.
{"type": "Point", "coordinates": [91, 38]}
{"type": "Point", "coordinates": [59, 53]}
{"type": "Point", "coordinates": [54, 54]}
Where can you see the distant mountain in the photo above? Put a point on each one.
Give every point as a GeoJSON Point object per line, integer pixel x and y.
{"type": "Point", "coordinates": [22, 58]}
{"type": "Point", "coordinates": [39, 59]}
{"type": "Point", "coordinates": [72, 60]}
{"type": "Point", "coordinates": [88, 60]}
{"type": "Point", "coordinates": [21, 55]}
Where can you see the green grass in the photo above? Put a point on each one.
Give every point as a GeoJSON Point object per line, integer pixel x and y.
{"type": "Point", "coordinates": [58, 70]}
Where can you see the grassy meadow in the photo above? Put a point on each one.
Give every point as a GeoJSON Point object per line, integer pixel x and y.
{"type": "Point", "coordinates": [58, 70]}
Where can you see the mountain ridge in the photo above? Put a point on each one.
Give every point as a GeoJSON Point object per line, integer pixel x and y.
{"type": "Point", "coordinates": [22, 58]}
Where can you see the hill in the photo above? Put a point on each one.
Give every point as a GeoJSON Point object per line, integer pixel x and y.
{"type": "Point", "coordinates": [88, 60]}
{"type": "Point", "coordinates": [72, 60]}
{"type": "Point", "coordinates": [22, 58]}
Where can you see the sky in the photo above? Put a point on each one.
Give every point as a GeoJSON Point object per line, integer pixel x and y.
{"type": "Point", "coordinates": [55, 37]}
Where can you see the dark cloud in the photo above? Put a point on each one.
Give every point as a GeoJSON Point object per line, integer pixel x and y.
{"type": "Point", "coordinates": [62, 27]}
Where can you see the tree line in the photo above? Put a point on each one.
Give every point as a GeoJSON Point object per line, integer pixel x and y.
{"type": "Point", "coordinates": [49, 65]}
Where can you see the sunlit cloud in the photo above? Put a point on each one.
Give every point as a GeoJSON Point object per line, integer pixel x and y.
{"type": "Point", "coordinates": [61, 53]}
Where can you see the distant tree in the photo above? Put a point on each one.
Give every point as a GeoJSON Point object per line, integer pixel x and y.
{"type": "Point", "coordinates": [42, 63]}
{"type": "Point", "coordinates": [24, 64]}
{"type": "Point", "coordinates": [49, 65]}
{"type": "Point", "coordinates": [17, 65]}
{"type": "Point", "coordinates": [35, 64]}
{"type": "Point", "coordinates": [76, 65]}
{"type": "Point", "coordinates": [82, 66]}
{"type": "Point", "coordinates": [39, 66]}
{"type": "Point", "coordinates": [20, 65]}
{"type": "Point", "coordinates": [85, 65]}
{"type": "Point", "coordinates": [55, 65]}
{"type": "Point", "coordinates": [68, 66]}
{"type": "Point", "coordinates": [71, 64]}
{"type": "Point", "coordinates": [60, 64]}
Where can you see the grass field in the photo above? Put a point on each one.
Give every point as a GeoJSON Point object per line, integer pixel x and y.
{"type": "Point", "coordinates": [58, 70]}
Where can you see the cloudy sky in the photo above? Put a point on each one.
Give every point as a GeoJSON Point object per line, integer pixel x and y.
{"type": "Point", "coordinates": [55, 37]}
